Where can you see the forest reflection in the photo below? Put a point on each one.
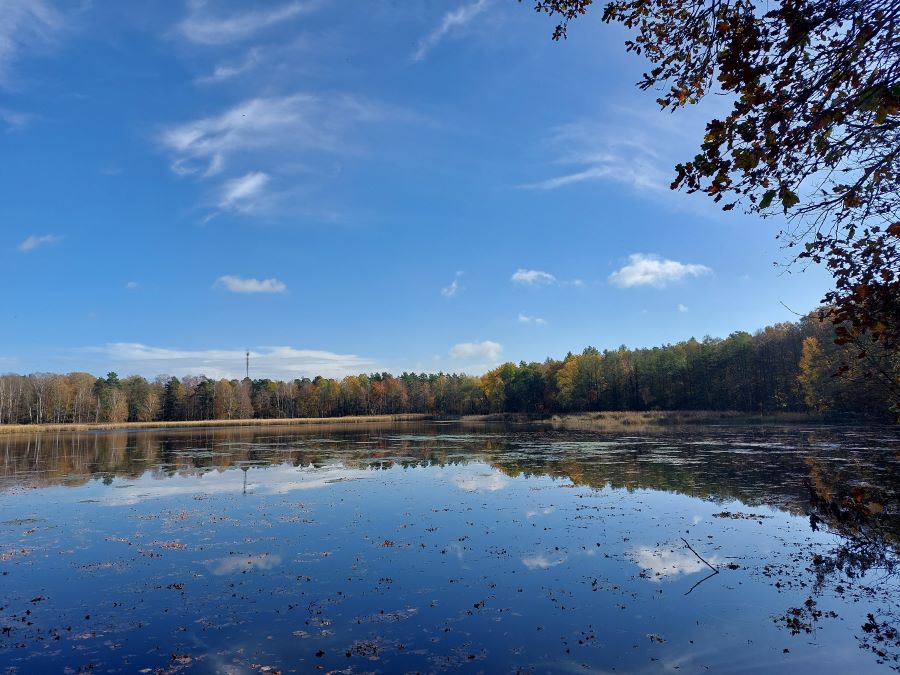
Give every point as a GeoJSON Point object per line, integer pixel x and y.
{"type": "Point", "coordinates": [757, 466]}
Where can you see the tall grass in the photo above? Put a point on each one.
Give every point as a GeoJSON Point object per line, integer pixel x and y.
{"type": "Point", "coordinates": [293, 421]}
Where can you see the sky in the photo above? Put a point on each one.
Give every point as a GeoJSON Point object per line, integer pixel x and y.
{"type": "Point", "coordinates": [427, 185]}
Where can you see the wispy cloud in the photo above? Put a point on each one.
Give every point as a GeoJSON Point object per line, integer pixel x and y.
{"type": "Point", "coordinates": [651, 270]}
{"type": "Point", "coordinates": [487, 349]}
{"type": "Point", "coordinates": [240, 285]}
{"type": "Point", "coordinates": [682, 308]}
{"type": "Point", "coordinates": [205, 28]}
{"type": "Point", "coordinates": [36, 240]}
{"type": "Point", "coordinates": [268, 140]}
{"type": "Point", "coordinates": [454, 288]}
{"type": "Point", "coordinates": [453, 20]}
{"type": "Point", "coordinates": [243, 193]}
{"type": "Point", "coordinates": [132, 285]}
{"type": "Point", "coordinates": [533, 277]}
{"type": "Point", "coordinates": [536, 320]}
{"type": "Point", "coordinates": [280, 125]}
{"type": "Point", "coordinates": [227, 71]}
{"type": "Point", "coordinates": [602, 152]}
{"type": "Point", "coordinates": [14, 119]}
{"type": "Point", "coordinates": [276, 362]}
{"type": "Point", "coordinates": [24, 25]}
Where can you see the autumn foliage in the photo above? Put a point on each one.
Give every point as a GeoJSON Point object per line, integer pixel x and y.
{"type": "Point", "coordinates": [786, 367]}
{"type": "Point", "coordinates": [813, 131]}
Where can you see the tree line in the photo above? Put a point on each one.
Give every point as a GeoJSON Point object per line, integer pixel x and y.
{"type": "Point", "coordinates": [791, 366]}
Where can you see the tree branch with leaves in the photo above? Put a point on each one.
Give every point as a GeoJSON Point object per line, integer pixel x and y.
{"type": "Point", "coordinates": [813, 131]}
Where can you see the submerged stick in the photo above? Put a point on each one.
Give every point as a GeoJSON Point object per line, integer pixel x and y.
{"type": "Point", "coordinates": [714, 569]}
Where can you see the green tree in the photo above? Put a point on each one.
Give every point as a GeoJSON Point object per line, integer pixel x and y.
{"type": "Point", "coordinates": [112, 406]}
{"type": "Point", "coordinates": [172, 395]}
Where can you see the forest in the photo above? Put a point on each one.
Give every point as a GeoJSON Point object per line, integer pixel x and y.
{"type": "Point", "coordinates": [787, 367]}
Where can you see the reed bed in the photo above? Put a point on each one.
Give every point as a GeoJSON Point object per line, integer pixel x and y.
{"type": "Point", "coordinates": [291, 421]}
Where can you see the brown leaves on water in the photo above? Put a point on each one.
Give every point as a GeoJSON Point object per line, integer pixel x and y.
{"type": "Point", "coordinates": [739, 515]}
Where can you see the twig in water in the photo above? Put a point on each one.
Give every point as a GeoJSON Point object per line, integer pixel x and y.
{"type": "Point", "coordinates": [715, 570]}
{"type": "Point", "coordinates": [708, 576]}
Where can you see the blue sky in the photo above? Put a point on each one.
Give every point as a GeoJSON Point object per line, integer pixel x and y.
{"type": "Point", "coordinates": [429, 185]}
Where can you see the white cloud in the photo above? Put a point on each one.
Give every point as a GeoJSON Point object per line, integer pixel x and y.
{"type": "Point", "coordinates": [227, 71]}
{"type": "Point", "coordinates": [467, 350]}
{"type": "Point", "coordinates": [25, 25]}
{"type": "Point", "coordinates": [131, 285]}
{"type": "Point", "coordinates": [275, 129]}
{"type": "Point", "coordinates": [533, 277]}
{"type": "Point", "coordinates": [275, 362]}
{"type": "Point", "coordinates": [682, 308]}
{"type": "Point", "coordinates": [453, 20]}
{"type": "Point", "coordinates": [651, 270]}
{"type": "Point", "coordinates": [36, 240]}
{"type": "Point", "coordinates": [203, 28]}
{"type": "Point", "coordinates": [524, 318]}
{"type": "Point", "coordinates": [454, 288]}
{"type": "Point", "coordinates": [240, 285]}
{"type": "Point", "coordinates": [243, 193]}
{"type": "Point", "coordinates": [601, 152]}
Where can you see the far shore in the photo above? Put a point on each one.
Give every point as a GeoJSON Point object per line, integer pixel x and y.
{"type": "Point", "coordinates": [604, 420]}
{"type": "Point", "coordinates": [631, 419]}
{"type": "Point", "coordinates": [291, 421]}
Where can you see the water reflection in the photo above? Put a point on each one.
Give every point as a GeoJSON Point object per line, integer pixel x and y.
{"type": "Point", "coordinates": [434, 547]}
{"type": "Point", "coordinates": [665, 563]}
{"type": "Point", "coordinates": [755, 466]}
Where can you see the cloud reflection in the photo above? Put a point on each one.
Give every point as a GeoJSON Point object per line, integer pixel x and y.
{"type": "Point", "coordinates": [667, 563]}
{"type": "Point", "coordinates": [482, 482]}
{"type": "Point", "coordinates": [242, 563]}
{"type": "Point", "coordinates": [544, 561]}
{"type": "Point", "coordinates": [277, 480]}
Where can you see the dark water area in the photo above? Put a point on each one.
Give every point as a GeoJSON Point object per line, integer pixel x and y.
{"type": "Point", "coordinates": [435, 547]}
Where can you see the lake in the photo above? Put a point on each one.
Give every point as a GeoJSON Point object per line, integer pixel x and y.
{"type": "Point", "coordinates": [435, 547]}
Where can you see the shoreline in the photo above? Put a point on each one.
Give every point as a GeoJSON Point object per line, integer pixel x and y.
{"type": "Point", "coordinates": [187, 424]}
{"type": "Point", "coordinates": [602, 420]}
{"type": "Point", "coordinates": [624, 419]}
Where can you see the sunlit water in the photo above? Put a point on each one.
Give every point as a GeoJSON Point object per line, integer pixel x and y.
{"type": "Point", "coordinates": [430, 548]}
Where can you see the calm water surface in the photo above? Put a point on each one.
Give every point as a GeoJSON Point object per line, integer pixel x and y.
{"type": "Point", "coordinates": [443, 547]}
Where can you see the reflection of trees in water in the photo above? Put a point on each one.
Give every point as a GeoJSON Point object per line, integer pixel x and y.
{"type": "Point", "coordinates": [866, 560]}
{"type": "Point", "coordinates": [755, 466]}
{"type": "Point", "coordinates": [853, 477]}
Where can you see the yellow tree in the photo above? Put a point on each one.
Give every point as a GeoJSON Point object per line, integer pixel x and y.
{"type": "Point", "coordinates": [815, 376]}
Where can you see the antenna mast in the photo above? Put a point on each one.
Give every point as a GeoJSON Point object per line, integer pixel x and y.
{"type": "Point", "coordinates": [248, 364]}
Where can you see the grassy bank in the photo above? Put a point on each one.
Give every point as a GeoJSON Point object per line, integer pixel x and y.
{"type": "Point", "coordinates": [296, 421]}
{"type": "Point", "coordinates": [586, 421]}
{"type": "Point", "coordinates": [656, 418]}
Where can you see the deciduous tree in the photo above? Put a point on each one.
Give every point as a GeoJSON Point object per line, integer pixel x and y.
{"type": "Point", "coordinates": [813, 131]}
